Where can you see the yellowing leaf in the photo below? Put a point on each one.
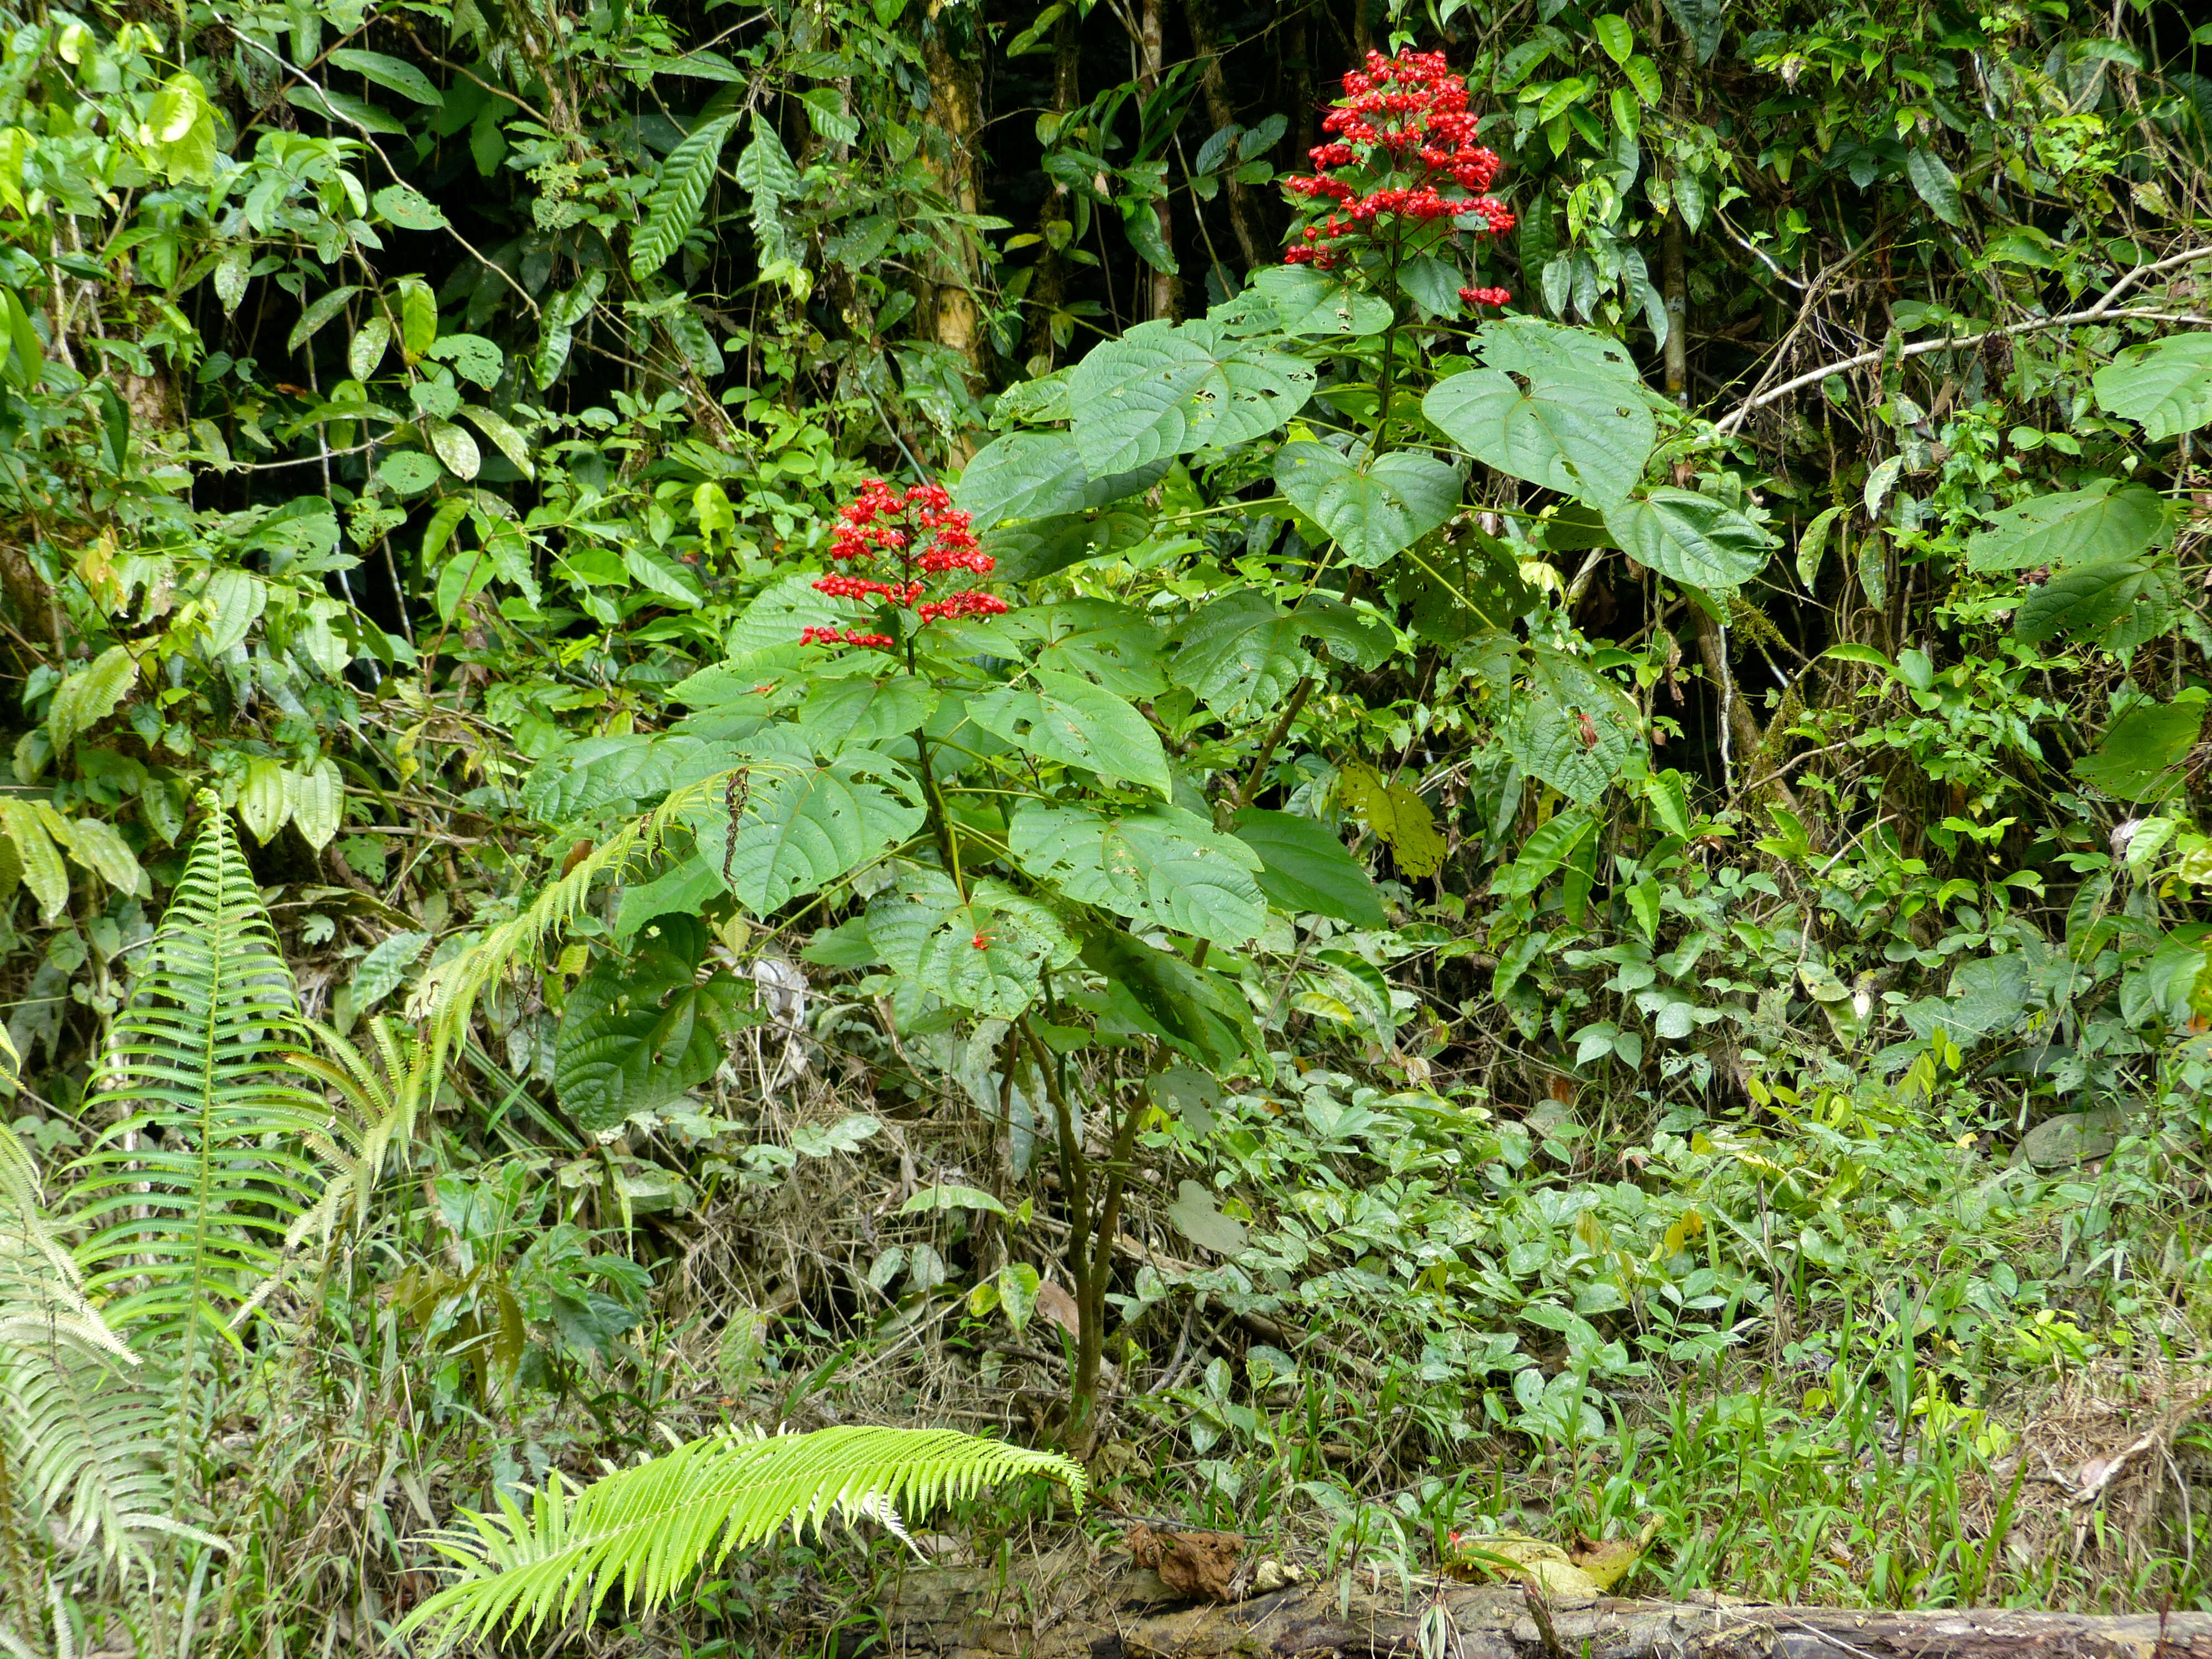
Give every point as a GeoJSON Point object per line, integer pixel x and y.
{"type": "Point", "coordinates": [1397, 815]}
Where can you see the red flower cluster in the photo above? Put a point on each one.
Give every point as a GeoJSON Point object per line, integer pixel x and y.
{"type": "Point", "coordinates": [927, 535]}
{"type": "Point", "coordinates": [1404, 136]}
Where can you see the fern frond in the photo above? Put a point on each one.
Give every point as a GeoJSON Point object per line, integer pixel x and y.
{"type": "Point", "coordinates": [188, 1192]}
{"type": "Point", "coordinates": [447, 994]}
{"type": "Point", "coordinates": [381, 1100]}
{"type": "Point", "coordinates": [650, 1528]}
{"type": "Point", "coordinates": [84, 1447]}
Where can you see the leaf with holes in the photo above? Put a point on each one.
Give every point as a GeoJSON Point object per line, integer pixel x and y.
{"type": "Point", "coordinates": [2165, 386]}
{"type": "Point", "coordinates": [840, 714]}
{"type": "Point", "coordinates": [1164, 389]}
{"type": "Point", "coordinates": [989, 953]}
{"type": "Point", "coordinates": [1161, 866]}
{"type": "Point", "coordinates": [1307, 301]}
{"type": "Point", "coordinates": [1572, 727]}
{"type": "Point", "coordinates": [1567, 429]}
{"type": "Point", "coordinates": [2071, 527]}
{"type": "Point", "coordinates": [805, 824]}
{"type": "Point", "coordinates": [1690, 538]}
{"type": "Point", "coordinates": [1374, 508]}
{"type": "Point", "coordinates": [1116, 644]}
{"type": "Point", "coordinates": [2112, 603]}
{"type": "Point", "coordinates": [1239, 654]}
{"type": "Point", "coordinates": [672, 209]}
{"type": "Point", "coordinates": [1069, 720]}
{"type": "Point", "coordinates": [637, 1033]}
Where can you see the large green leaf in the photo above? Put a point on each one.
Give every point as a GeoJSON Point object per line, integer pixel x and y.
{"type": "Point", "coordinates": [1572, 727]}
{"type": "Point", "coordinates": [1070, 720]}
{"type": "Point", "coordinates": [1551, 351]}
{"type": "Point", "coordinates": [597, 773]}
{"type": "Point", "coordinates": [1568, 429]}
{"type": "Point", "coordinates": [1161, 994]}
{"type": "Point", "coordinates": [989, 953]}
{"type": "Point", "coordinates": [805, 824]}
{"type": "Point", "coordinates": [2072, 527]}
{"type": "Point", "coordinates": [1690, 538]}
{"type": "Point", "coordinates": [1040, 475]}
{"type": "Point", "coordinates": [1117, 645]}
{"type": "Point", "coordinates": [1239, 654]}
{"type": "Point", "coordinates": [637, 1032]}
{"type": "Point", "coordinates": [1161, 866]}
{"type": "Point", "coordinates": [1306, 870]}
{"type": "Point", "coordinates": [839, 713]}
{"type": "Point", "coordinates": [673, 208]}
{"type": "Point", "coordinates": [2099, 602]}
{"type": "Point", "coordinates": [1374, 508]}
{"type": "Point", "coordinates": [2165, 386]}
{"type": "Point", "coordinates": [2141, 756]}
{"type": "Point", "coordinates": [1308, 301]}
{"type": "Point", "coordinates": [1164, 389]}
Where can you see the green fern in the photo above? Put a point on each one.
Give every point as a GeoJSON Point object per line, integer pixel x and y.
{"type": "Point", "coordinates": [448, 992]}
{"type": "Point", "coordinates": [188, 1192]}
{"type": "Point", "coordinates": [651, 1527]}
{"type": "Point", "coordinates": [381, 1102]}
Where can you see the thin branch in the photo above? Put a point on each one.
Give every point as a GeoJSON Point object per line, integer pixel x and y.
{"type": "Point", "coordinates": [2105, 310]}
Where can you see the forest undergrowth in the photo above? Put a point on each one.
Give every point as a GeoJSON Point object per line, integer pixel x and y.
{"type": "Point", "coordinates": [1425, 778]}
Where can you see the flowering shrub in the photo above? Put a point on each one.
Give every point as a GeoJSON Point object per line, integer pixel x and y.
{"type": "Point", "coordinates": [922, 537]}
{"type": "Point", "coordinates": [1404, 176]}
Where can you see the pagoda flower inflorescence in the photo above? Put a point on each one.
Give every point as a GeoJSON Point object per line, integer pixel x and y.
{"type": "Point", "coordinates": [1404, 156]}
{"type": "Point", "coordinates": [917, 539]}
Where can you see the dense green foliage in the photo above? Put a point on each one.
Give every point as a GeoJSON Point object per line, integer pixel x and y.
{"type": "Point", "coordinates": [1430, 917]}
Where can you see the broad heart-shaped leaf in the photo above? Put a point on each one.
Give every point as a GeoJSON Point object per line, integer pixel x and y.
{"type": "Point", "coordinates": [1690, 538]}
{"type": "Point", "coordinates": [636, 1033]}
{"type": "Point", "coordinates": [805, 824]}
{"type": "Point", "coordinates": [2141, 754]}
{"type": "Point", "coordinates": [2095, 522]}
{"type": "Point", "coordinates": [1161, 866]}
{"type": "Point", "coordinates": [1239, 653]}
{"type": "Point", "coordinates": [924, 933]}
{"type": "Point", "coordinates": [839, 714]}
{"type": "Point", "coordinates": [2091, 601]}
{"type": "Point", "coordinates": [1549, 351]}
{"type": "Point", "coordinates": [1117, 645]}
{"type": "Point", "coordinates": [1164, 389]}
{"type": "Point", "coordinates": [673, 208]}
{"type": "Point", "coordinates": [1375, 508]}
{"type": "Point", "coordinates": [1041, 475]}
{"type": "Point", "coordinates": [1584, 435]}
{"type": "Point", "coordinates": [1306, 870]}
{"type": "Point", "coordinates": [1572, 727]}
{"type": "Point", "coordinates": [1161, 994]}
{"type": "Point", "coordinates": [1308, 301]}
{"type": "Point", "coordinates": [1069, 720]}
{"type": "Point", "coordinates": [2165, 386]}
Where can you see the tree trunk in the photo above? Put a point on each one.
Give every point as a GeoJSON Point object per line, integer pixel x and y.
{"type": "Point", "coordinates": [950, 55]}
{"type": "Point", "coordinates": [1130, 1614]}
{"type": "Point", "coordinates": [1159, 285]}
{"type": "Point", "coordinates": [1305, 105]}
{"type": "Point", "coordinates": [1048, 288]}
{"type": "Point", "coordinates": [1243, 208]}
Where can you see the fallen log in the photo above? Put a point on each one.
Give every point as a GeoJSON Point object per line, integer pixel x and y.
{"type": "Point", "coordinates": [1075, 1608]}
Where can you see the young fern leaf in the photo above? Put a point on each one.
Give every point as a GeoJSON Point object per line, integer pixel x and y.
{"type": "Point", "coordinates": [448, 992]}
{"type": "Point", "coordinates": [382, 1101]}
{"type": "Point", "coordinates": [673, 208]}
{"type": "Point", "coordinates": [650, 1528]}
{"type": "Point", "coordinates": [186, 1196]}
